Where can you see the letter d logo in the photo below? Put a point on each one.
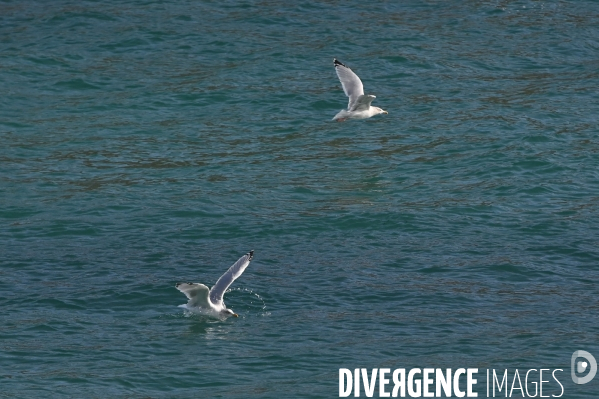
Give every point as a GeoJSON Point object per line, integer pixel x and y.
{"type": "Point", "coordinates": [581, 366]}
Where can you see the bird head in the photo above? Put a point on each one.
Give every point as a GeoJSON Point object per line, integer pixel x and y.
{"type": "Point", "coordinates": [228, 313]}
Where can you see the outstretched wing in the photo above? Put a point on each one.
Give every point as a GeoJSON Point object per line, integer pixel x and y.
{"type": "Point", "coordinates": [217, 292]}
{"type": "Point", "coordinates": [196, 293]}
{"type": "Point", "coordinates": [352, 85]}
{"type": "Point", "coordinates": [363, 103]}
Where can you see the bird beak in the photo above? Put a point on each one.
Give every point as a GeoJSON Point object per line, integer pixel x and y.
{"type": "Point", "coordinates": [235, 314]}
{"type": "Point", "coordinates": [385, 112]}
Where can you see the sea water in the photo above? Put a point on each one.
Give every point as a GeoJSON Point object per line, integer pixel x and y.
{"type": "Point", "coordinates": [144, 143]}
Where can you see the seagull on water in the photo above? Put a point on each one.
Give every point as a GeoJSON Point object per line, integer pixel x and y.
{"type": "Point", "coordinates": [211, 300]}
{"type": "Point", "coordinates": [359, 104]}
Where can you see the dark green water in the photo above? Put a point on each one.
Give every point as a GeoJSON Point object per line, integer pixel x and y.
{"type": "Point", "coordinates": [149, 142]}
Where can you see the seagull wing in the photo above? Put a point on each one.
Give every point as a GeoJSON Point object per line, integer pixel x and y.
{"type": "Point", "coordinates": [352, 85]}
{"type": "Point", "coordinates": [196, 293]}
{"type": "Point", "coordinates": [218, 291]}
{"type": "Point", "coordinates": [363, 103]}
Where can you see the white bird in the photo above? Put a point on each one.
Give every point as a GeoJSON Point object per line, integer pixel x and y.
{"type": "Point", "coordinates": [211, 300]}
{"type": "Point", "coordinates": [359, 104]}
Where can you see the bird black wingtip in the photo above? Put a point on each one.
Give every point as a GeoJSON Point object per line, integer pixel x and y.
{"type": "Point", "coordinates": [337, 62]}
{"type": "Point", "coordinates": [251, 254]}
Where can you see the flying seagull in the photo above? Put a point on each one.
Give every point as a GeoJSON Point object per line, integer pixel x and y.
{"type": "Point", "coordinates": [211, 300]}
{"type": "Point", "coordinates": [359, 104]}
